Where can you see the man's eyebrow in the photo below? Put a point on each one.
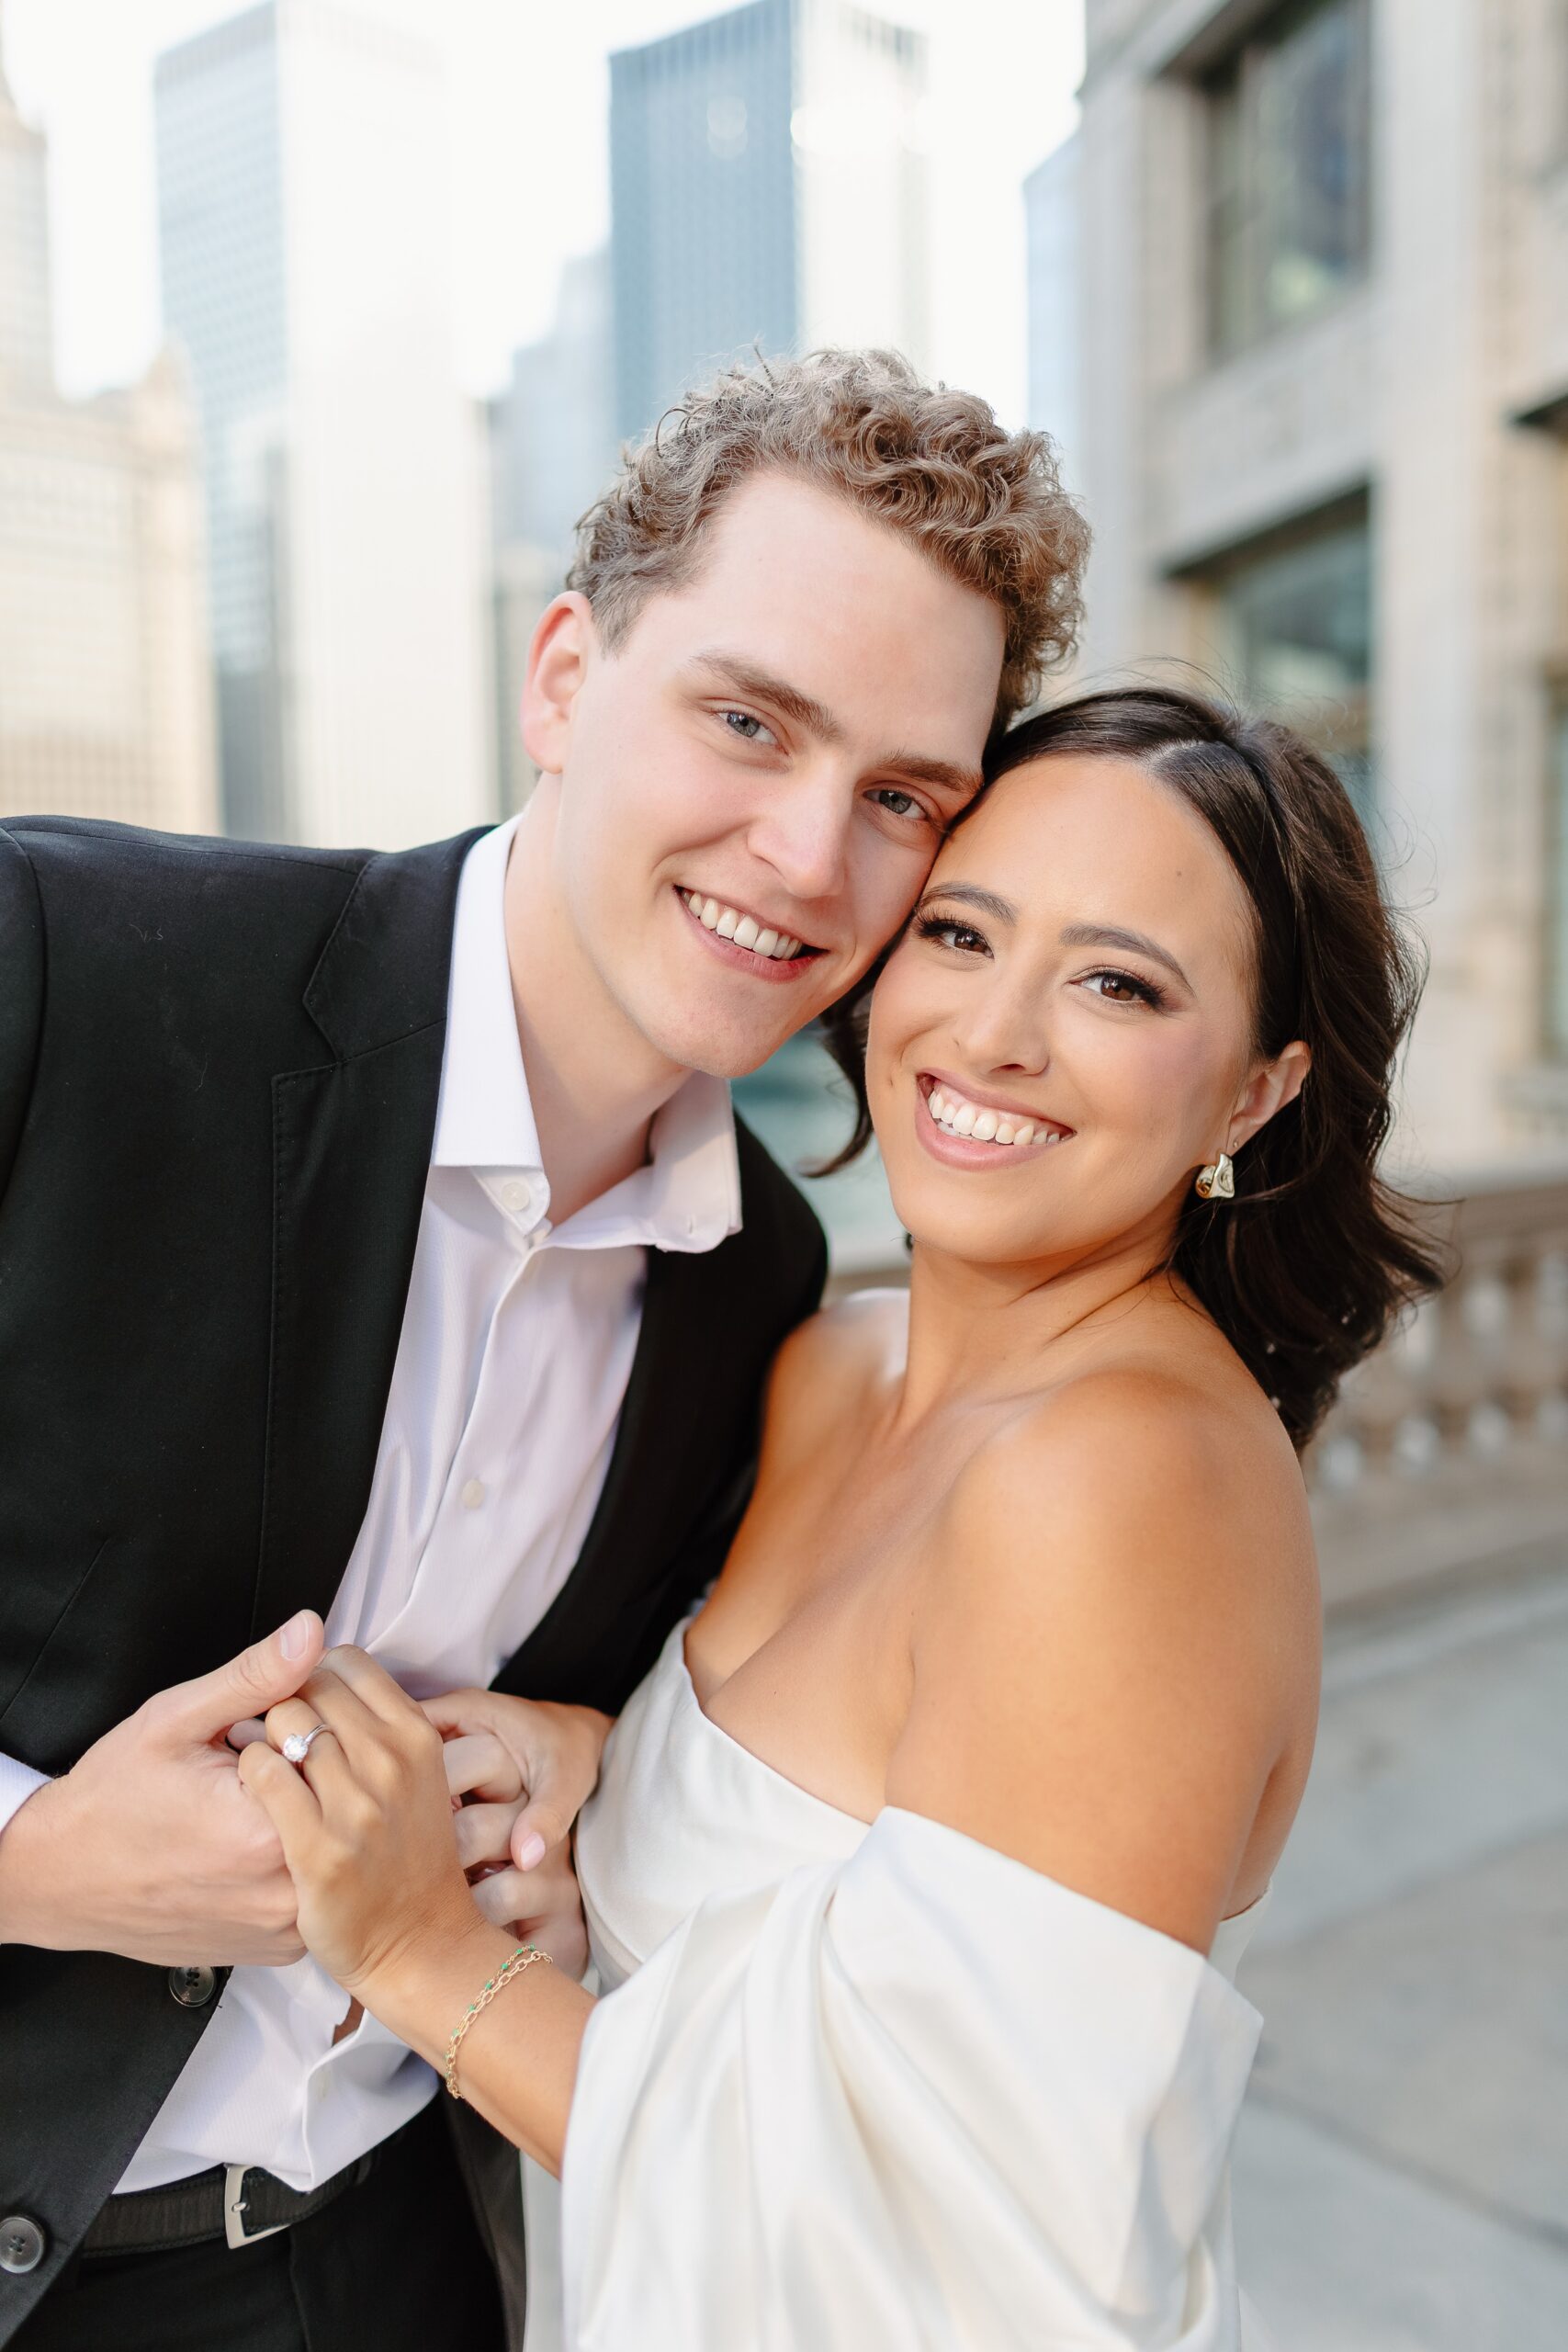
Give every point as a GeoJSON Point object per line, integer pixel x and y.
{"type": "Point", "coordinates": [969, 894]}
{"type": "Point", "coordinates": [945, 776]}
{"type": "Point", "coordinates": [1096, 935]}
{"type": "Point", "coordinates": [745, 677]}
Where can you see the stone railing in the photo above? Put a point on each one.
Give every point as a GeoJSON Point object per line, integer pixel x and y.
{"type": "Point", "coordinates": [1446, 1458]}
{"type": "Point", "coordinates": [1447, 1454]}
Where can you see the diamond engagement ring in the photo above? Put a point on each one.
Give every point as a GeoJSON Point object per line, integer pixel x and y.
{"type": "Point", "coordinates": [296, 1746]}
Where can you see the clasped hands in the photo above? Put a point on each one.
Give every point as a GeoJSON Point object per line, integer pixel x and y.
{"type": "Point", "coordinates": [402, 1817]}
{"type": "Point", "coordinates": [157, 1845]}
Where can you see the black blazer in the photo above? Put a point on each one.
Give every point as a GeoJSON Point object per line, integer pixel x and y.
{"type": "Point", "coordinates": [218, 1071]}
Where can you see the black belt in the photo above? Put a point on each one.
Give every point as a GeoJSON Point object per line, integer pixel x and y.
{"type": "Point", "coordinates": [240, 2202]}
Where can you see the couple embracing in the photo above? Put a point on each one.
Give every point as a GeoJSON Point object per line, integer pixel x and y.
{"type": "Point", "coordinates": [902, 1704]}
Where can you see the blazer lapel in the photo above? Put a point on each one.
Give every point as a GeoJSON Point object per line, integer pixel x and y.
{"type": "Point", "coordinates": [669, 1402]}
{"type": "Point", "coordinates": [683, 1455]}
{"type": "Point", "coordinates": [350, 1153]}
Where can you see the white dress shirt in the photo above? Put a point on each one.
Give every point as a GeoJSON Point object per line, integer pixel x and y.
{"type": "Point", "coordinates": [516, 1346]}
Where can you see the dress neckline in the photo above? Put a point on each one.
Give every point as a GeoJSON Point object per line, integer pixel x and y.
{"type": "Point", "coordinates": [757, 1763]}
{"type": "Point", "coordinates": [781, 1780]}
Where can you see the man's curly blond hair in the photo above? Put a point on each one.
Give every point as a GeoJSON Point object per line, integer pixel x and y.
{"type": "Point", "coordinates": [986, 505]}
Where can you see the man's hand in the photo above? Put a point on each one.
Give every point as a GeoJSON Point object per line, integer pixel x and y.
{"type": "Point", "coordinates": [525, 1769]}
{"type": "Point", "coordinates": [151, 1846]}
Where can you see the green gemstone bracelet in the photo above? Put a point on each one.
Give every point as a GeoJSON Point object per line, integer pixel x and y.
{"type": "Point", "coordinates": [523, 1957]}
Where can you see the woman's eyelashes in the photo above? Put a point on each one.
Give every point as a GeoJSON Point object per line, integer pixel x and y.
{"type": "Point", "coordinates": [1126, 987]}
{"type": "Point", "coordinates": [1112, 985]}
{"type": "Point", "coordinates": [945, 932]}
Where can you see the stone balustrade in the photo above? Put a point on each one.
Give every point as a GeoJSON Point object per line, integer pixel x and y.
{"type": "Point", "coordinates": [1447, 1454]}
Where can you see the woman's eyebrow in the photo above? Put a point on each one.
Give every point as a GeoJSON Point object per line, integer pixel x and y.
{"type": "Point", "coordinates": [1096, 935]}
{"type": "Point", "coordinates": [969, 894]}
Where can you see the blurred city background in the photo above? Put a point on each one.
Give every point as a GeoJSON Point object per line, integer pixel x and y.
{"type": "Point", "coordinates": [321, 323]}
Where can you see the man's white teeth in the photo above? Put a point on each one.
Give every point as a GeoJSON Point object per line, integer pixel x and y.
{"type": "Point", "coordinates": [961, 1118]}
{"type": "Point", "coordinates": [745, 930]}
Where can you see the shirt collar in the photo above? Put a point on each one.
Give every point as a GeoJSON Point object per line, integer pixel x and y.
{"type": "Point", "coordinates": [686, 1197]}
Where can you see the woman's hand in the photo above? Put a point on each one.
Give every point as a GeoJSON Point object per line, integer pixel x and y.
{"type": "Point", "coordinates": [366, 1823]}
{"type": "Point", "coordinates": [500, 1748]}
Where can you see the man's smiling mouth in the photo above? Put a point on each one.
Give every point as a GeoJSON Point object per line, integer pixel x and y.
{"type": "Point", "coordinates": [745, 930]}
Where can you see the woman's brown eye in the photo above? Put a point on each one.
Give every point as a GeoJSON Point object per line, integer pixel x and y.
{"type": "Point", "coordinates": [1121, 988]}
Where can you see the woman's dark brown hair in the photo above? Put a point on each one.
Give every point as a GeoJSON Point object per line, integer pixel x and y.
{"type": "Point", "coordinates": [1307, 1267]}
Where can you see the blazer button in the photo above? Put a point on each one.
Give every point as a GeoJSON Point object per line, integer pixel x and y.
{"type": "Point", "coordinates": [22, 2245]}
{"type": "Point", "coordinates": [192, 1987]}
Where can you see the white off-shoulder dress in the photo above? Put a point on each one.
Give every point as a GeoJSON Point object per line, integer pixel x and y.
{"type": "Point", "coordinates": [875, 2089]}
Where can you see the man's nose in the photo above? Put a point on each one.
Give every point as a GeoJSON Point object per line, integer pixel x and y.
{"type": "Point", "coordinates": [803, 834]}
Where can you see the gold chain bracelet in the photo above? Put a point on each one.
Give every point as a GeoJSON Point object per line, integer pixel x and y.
{"type": "Point", "coordinates": [523, 1957]}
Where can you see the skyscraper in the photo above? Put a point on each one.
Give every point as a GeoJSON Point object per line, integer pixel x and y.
{"type": "Point", "coordinates": [553, 428]}
{"type": "Point", "coordinates": [1053, 223]}
{"type": "Point", "coordinates": [105, 694]}
{"type": "Point", "coordinates": [552, 450]}
{"type": "Point", "coordinates": [768, 189]}
{"type": "Point", "coordinates": [301, 175]}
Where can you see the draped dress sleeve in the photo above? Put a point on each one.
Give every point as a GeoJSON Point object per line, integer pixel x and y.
{"type": "Point", "coordinates": [921, 2096]}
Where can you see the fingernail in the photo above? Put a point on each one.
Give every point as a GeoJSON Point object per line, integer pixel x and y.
{"type": "Point", "coordinates": [295, 1635]}
{"type": "Point", "coordinates": [531, 1851]}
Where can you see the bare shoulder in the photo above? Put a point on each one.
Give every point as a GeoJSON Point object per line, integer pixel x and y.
{"type": "Point", "coordinates": [832, 1357]}
{"type": "Point", "coordinates": [1117, 1651]}
{"type": "Point", "coordinates": [1144, 1460]}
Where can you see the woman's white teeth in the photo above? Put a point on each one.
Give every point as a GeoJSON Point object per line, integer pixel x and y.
{"type": "Point", "coordinates": [961, 1118]}
{"type": "Point", "coordinates": [778, 947]}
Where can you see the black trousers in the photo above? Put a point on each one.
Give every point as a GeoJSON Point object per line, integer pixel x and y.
{"type": "Point", "coordinates": [396, 2265]}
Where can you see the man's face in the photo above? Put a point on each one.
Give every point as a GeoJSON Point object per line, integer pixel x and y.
{"type": "Point", "coordinates": [752, 787]}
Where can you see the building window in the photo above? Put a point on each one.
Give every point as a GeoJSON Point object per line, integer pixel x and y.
{"type": "Point", "coordinates": [1295, 636]}
{"type": "Point", "coordinates": [1288, 162]}
{"type": "Point", "coordinates": [1557, 943]}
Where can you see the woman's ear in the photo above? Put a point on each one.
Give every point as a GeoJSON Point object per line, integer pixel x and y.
{"type": "Point", "coordinates": [562, 646]}
{"type": "Point", "coordinates": [1270, 1087]}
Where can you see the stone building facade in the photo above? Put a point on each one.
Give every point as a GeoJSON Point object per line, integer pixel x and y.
{"type": "Point", "coordinates": [1323, 438]}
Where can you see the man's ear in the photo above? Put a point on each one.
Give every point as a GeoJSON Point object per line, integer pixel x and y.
{"type": "Point", "coordinates": [1268, 1089]}
{"type": "Point", "coordinates": [559, 654]}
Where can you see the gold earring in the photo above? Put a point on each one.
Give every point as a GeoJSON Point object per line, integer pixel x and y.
{"type": "Point", "coordinates": [1218, 1182]}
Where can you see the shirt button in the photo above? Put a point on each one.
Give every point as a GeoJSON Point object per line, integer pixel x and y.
{"type": "Point", "coordinates": [516, 1194]}
{"type": "Point", "coordinates": [22, 2245]}
{"type": "Point", "coordinates": [192, 1987]}
{"type": "Point", "coordinates": [473, 1494]}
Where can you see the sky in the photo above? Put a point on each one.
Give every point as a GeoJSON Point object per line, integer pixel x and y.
{"type": "Point", "coordinates": [529, 95]}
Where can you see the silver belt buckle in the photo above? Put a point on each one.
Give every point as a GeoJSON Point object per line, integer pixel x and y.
{"type": "Point", "coordinates": [234, 2228]}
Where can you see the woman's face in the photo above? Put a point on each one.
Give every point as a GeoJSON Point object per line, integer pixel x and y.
{"type": "Point", "coordinates": [1064, 1035]}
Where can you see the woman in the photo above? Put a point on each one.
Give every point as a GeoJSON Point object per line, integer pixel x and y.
{"type": "Point", "coordinates": [921, 1862]}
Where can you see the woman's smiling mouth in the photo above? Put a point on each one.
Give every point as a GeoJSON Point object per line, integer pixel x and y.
{"type": "Point", "coordinates": [965, 1133]}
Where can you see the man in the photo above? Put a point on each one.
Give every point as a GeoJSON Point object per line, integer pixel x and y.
{"type": "Point", "coordinates": [376, 1241]}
